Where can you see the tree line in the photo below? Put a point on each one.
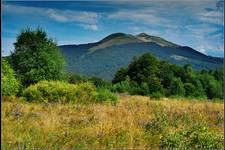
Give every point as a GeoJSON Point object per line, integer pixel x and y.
{"type": "Point", "coordinates": [147, 75]}
{"type": "Point", "coordinates": [37, 58]}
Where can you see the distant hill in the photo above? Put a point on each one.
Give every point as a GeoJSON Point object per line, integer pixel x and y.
{"type": "Point", "coordinates": [104, 58]}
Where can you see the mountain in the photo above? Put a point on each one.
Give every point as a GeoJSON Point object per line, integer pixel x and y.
{"type": "Point", "coordinates": [104, 58]}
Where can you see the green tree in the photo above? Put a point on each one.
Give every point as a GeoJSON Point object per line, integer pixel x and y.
{"type": "Point", "coordinates": [166, 73]}
{"type": "Point", "coordinates": [37, 57]}
{"type": "Point", "coordinates": [199, 91]}
{"type": "Point", "coordinates": [155, 86]}
{"type": "Point", "coordinates": [143, 69]}
{"type": "Point", "coordinates": [212, 87]}
{"type": "Point", "coordinates": [176, 87]}
{"type": "Point", "coordinates": [189, 89]}
{"type": "Point", "coordinates": [214, 90]}
{"type": "Point", "coordinates": [120, 75]}
{"type": "Point", "coordinates": [10, 84]}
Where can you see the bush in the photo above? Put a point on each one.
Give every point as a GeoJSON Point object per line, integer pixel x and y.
{"type": "Point", "coordinates": [198, 136]}
{"type": "Point", "coordinates": [156, 95]}
{"type": "Point", "coordinates": [100, 83]}
{"type": "Point", "coordinates": [57, 91]}
{"type": "Point", "coordinates": [75, 78]}
{"type": "Point", "coordinates": [104, 95]}
{"type": "Point", "coordinates": [10, 85]}
{"type": "Point", "coordinates": [122, 86]}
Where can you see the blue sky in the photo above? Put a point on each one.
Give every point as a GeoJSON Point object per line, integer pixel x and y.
{"type": "Point", "coordinates": [198, 24]}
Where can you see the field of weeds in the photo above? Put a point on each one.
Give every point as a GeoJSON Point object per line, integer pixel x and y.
{"type": "Point", "coordinates": [134, 122]}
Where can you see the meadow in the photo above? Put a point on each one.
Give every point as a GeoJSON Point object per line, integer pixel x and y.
{"type": "Point", "coordinates": [133, 122]}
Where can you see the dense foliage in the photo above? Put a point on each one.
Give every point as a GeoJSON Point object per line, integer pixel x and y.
{"type": "Point", "coordinates": [10, 85]}
{"type": "Point", "coordinates": [147, 75]}
{"type": "Point", "coordinates": [36, 57]}
{"type": "Point", "coordinates": [197, 137]}
{"type": "Point", "coordinates": [98, 82]}
{"type": "Point", "coordinates": [58, 91]}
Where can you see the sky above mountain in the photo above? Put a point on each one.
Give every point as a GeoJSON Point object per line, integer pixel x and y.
{"type": "Point", "coordinates": [198, 24]}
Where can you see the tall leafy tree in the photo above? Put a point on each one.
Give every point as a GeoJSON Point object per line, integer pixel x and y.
{"type": "Point", "coordinates": [37, 57]}
{"type": "Point", "coordinates": [120, 75]}
{"type": "Point", "coordinates": [176, 87]}
{"type": "Point", "coordinates": [143, 69]}
{"type": "Point", "coordinates": [166, 73]}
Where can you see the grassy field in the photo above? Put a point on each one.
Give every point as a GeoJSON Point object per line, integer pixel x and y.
{"type": "Point", "coordinates": [134, 122]}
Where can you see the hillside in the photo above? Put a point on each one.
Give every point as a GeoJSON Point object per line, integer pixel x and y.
{"type": "Point", "coordinates": [149, 124]}
{"type": "Point", "coordinates": [104, 58]}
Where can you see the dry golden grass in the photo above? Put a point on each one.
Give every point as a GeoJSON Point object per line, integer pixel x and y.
{"type": "Point", "coordinates": [66, 126]}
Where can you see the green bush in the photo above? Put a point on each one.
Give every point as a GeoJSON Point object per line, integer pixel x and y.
{"type": "Point", "coordinates": [10, 85]}
{"type": "Point", "coordinates": [75, 78]}
{"type": "Point", "coordinates": [58, 91]}
{"type": "Point", "coordinates": [156, 95]}
{"type": "Point", "coordinates": [100, 83]}
{"type": "Point", "coordinates": [197, 136]}
{"type": "Point", "coordinates": [102, 95]}
{"type": "Point", "coordinates": [122, 86]}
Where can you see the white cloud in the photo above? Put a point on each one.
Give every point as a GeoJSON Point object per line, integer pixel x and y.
{"type": "Point", "coordinates": [56, 16]}
{"type": "Point", "coordinates": [201, 29]}
{"type": "Point", "coordinates": [134, 28]}
{"type": "Point", "coordinates": [188, 23]}
{"type": "Point", "coordinates": [207, 47]}
{"type": "Point", "coordinates": [202, 49]}
{"type": "Point", "coordinates": [144, 16]}
{"type": "Point", "coordinates": [214, 17]}
{"type": "Point", "coordinates": [82, 17]}
{"type": "Point", "coordinates": [91, 26]}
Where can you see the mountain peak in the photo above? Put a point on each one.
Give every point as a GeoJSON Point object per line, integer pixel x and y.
{"type": "Point", "coordinates": [155, 39]}
{"type": "Point", "coordinates": [115, 39]}
{"type": "Point", "coordinates": [113, 35]}
{"type": "Point", "coordinates": [142, 35]}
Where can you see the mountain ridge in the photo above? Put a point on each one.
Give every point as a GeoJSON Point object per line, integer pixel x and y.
{"type": "Point", "coordinates": [105, 57]}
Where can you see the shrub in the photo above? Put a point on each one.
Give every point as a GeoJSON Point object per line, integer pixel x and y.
{"type": "Point", "coordinates": [100, 83]}
{"type": "Point", "coordinates": [75, 78]}
{"type": "Point", "coordinates": [197, 136]}
{"type": "Point", "coordinates": [102, 95]}
{"type": "Point", "coordinates": [156, 95]}
{"type": "Point", "coordinates": [122, 86]}
{"type": "Point", "coordinates": [10, 85]}
{"type": "Point", "coordinates": [58, 91]}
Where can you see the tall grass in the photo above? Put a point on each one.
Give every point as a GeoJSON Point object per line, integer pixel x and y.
{"type": "Point", "coordinates": [134, 122]}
